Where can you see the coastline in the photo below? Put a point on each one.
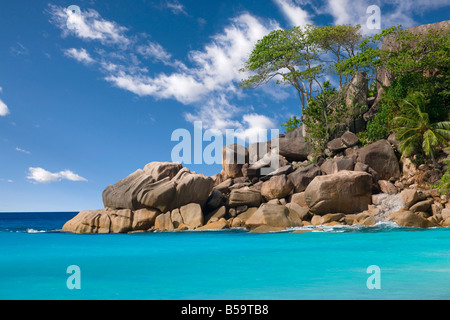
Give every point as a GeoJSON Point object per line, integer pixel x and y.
{"type": "Point", "coordinates": [167, 197]}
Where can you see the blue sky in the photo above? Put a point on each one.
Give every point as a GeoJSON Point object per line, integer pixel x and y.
{"type": "Point", "coordinates": [85, 103]}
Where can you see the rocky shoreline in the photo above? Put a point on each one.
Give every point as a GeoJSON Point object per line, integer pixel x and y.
{"type": "Point", "coordinates": [352, 187]}
{"type": "Point", "coordinates": [348, 185]}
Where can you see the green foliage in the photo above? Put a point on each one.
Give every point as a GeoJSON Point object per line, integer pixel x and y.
{"type": "Point", "coordinates": [415, 105]}
{"type": "Point", "coordinates": [292, 123]}
{"type": "Point", "coordinates": [422, 53]}
{"type": "Point", "coordinates": [416, 132]}
{"type": "Point", "coordinates": [291, 56]}
{"type": "Point", "coordinates": [403, 87]}
{"type": "Point", "coordinates": [324, 112]}
{"type": "Point", "coordinates": [378, 127]}
{"type": "Point", "coordinates": [409, 54]}
{"type": "Point", "coordinates": [300, 57]}
{"type": "Point", "coordinates": [341, 41]}
{"type": "Point", "coordinates": [373, 90]}
{"type": "Point", "coordinates": [443, 187]}
{"type": "Point", "coordinates": [368, 56]}
{"type": "Point", "coordinates": [432, 88]}
{"type": "Point", "coordinates": [363, 138]}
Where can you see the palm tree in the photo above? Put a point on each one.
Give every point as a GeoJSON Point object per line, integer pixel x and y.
{"type": "Point", "coordinates": [414, 130]}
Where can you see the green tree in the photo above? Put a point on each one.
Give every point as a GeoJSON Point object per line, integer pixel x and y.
{"type": "Point", "coordinates": [292, 123]}
{"type": "Point", "coordinates": [443, 186]}
{"type": "Point", "coordinates": [415, 131]}
{"type": "Point", "coordinates": [337, 43]}
{"type": "Point", "coordinates": [425, 53]}
{"type": "Point", "coordinates": [414, 62]}
{"type": "Point", "coordinates": [369, 56]}
{"type": "Point", "coordinates": [405, 53]}
{"type": "Point", "coordinates": [287, 55]}
{"type": "Point", "coordinates": [325, 111]}
{"type": "Point", "coordinates": [300, 57]}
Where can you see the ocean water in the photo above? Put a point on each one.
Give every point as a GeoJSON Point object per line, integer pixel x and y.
{"type": "Point", "coordinates": [235, 265]}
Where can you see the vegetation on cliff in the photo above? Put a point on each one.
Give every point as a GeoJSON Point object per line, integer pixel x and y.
{"type": "Point", "coordinates": [407, 90]}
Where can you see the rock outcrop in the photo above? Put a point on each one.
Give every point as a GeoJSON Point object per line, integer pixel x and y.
{"type": "Point", "coordinates": [233, 159]}
{"type": "Point", "coordinates": [293, 148]}
{"type": "Point", "coordinates": [342, 192]}
{"type": "Point", "coordinates": [103, 221]}
{"type": "Point", "coordinates": [159, 186]}
{"type": "Point", "coordinates": [166, 197]}
{"type": "Point", "coordinates": [275, 216]}
{"type": "Point", "coordinates": [337, 164]}
{"type": "Point", "coordinates": [244, 197]}
{"type": "Point", "coordinates": [274, 185]}
{"type": "Point", "coordinates": [302, 177]}
{"type": "Point", "coordinates": [412, 220]}
{"type": "Point", "coordinates": [380, 157]}
{"type": "Point", "coordinates": [277, 187]}
{"type": "Point", "coordinates": [136, 202]}
{"type": "Point", "coordinates": [358, 90]}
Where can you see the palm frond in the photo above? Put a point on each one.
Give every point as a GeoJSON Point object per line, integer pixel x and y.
{"type": "Point", "coordinates": [409, 145]}
{"type": "Point", "coordinates": [444, 134]}
{"type": "Point", "coordinates": [405, 132]}
{"type": "Point", "coordinates": [403, 121]}
{"type": "Point", "coordinates": [414, 130]}
{"type": "Point", "coordinates": [430, 141]}
{"type": "Point", "coordinates": [445, 125]}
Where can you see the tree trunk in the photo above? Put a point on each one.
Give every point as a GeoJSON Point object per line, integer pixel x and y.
{"type": "Point", "coordinates": [435, 164]}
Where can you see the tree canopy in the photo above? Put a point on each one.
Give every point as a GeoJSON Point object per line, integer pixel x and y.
{"type": "Point", "coordinates": [301, 57]}
{"type": "Point", "coordinates": [290, 57]}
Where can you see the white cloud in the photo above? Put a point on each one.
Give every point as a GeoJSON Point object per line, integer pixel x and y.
{"type": "Point", "coordinates": [23, 151]}
{"type": "Point", "coordinates": [355, 12]}
{"type": "Point", "coordinates": [176, 7]}
{"type": "Point", "coordinates": [216, 114]}
{"type": "Point", "coordinates": [393, 13]}
{"type": "Point", "coordinates": [19, 49]}
{"type": "Point", "coordinates": [256, 127]}
{"type": "Point", "coordinates": [340, 10]}
{"type": "Point", "coordinates": [216, 67]}
{"type": "Point", "coordinates": [81, 55]}
{"type": "Point", "coordinates": [293, 12]}
{"type": "Point", "coordinates": [3, 109]}
{"type": "Point", "coordinates": [219, 115]}
{"type": "Point", "coordinates": [182, 87]}
{"type": "Point", "coordinates": [88, 25]}
{"type": "Point", "coordinates": [69, 175]}
{"type": "Point", "coordinates": [156, 52]}
{"type": "Point", "coordinates": [39, 175]}
{"type": "Point", "coordinates": [211, 82]}
{"type": "Point", "coordinates": [208, 83]}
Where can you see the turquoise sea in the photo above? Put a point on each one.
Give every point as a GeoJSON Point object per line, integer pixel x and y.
{"type": "Point", "coordinates": [231, 265]}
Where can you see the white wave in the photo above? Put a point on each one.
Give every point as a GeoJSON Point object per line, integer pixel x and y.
{"type": "Point", "coordinates": [31, 230]}
{"type": "Point", "coordinates": [379, 226]}
{"type": "Point", "coordinates": [387, 223]}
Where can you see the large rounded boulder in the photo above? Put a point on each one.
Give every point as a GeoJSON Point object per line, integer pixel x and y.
{"type": "Point", "coordinates": [380, 156]}
{"type": "Point", "coordinates": [343, 192]}
{"type": "Point", "coordinates": [162, 186]}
